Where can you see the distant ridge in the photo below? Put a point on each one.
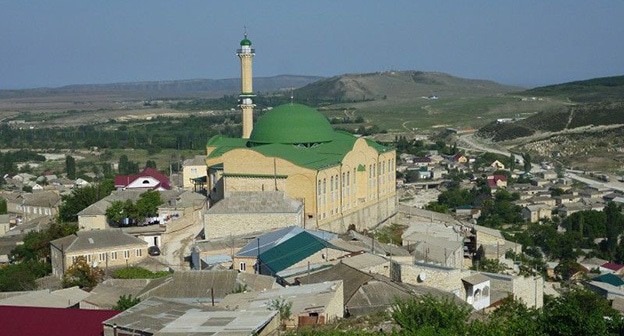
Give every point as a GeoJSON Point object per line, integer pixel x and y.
{"type": "Point", "coordinates": [396, 85]}
{"type": "Point", "coordinates": [592, 90]}
{"type": "Point", "coordinates": [170, 88]}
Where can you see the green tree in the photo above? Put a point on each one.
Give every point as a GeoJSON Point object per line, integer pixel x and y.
{"type": "Point", "coordinates": [580, 312]}
{"type": "Point", "coordinates": [70, 167]}
{"type": "Point", "coordinates": [115, 212]}
{"type": "Point", "coordinates": [526, 157]}
{"type": "Point", "coordinates": [428, 315]}
{"type": "Point", "coordinates": [3, 206]}
{"type": "Point", "coordinates": [126, 302]}
{"type": "Point", "coordinates": [21, 276]}
{"type": "Point", "coordinates": [147, 204]}
{"type": "Point", "coordinates": [150, 164]}
{"type": "Point", "coordinates": [81, 274]}
{"type": "Point", "coordinates": [81, 198]}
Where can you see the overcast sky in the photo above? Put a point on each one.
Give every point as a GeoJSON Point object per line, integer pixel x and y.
{"type": "Point", "coordinates": [528, 43]}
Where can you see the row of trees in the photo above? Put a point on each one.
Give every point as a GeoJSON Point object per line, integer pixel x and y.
{"type": "Point", "coordinates": [183, 133]}
{"type": "Point", "coordinates": [576, 312]}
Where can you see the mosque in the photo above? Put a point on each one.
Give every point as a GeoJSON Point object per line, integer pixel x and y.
{"type": "Point", "coordinates": [340, 180]}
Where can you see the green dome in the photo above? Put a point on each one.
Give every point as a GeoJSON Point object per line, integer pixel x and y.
{"type": "Point", "coordinates": [292, 124]}
{"type": "Point", "coordinates": [245, 42]}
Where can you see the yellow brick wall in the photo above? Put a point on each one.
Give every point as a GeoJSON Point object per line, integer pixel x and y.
{"type": "Point", "coordinates": [330, 195]}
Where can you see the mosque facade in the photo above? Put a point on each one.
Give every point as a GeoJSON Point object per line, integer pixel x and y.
{"type": "Point", "coordinates": [343, 181]}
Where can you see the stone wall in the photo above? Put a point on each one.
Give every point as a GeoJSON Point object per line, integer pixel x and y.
{"type": "Point", "coordinates": [225, 225]}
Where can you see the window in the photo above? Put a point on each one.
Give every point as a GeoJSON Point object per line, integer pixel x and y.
{"type": "Point", "coordinates": [74, 259]}
{"type": "Point", "coordinates": [114, 255]}
{"type": "Point", "coordinates": [102, 256]}
{"type": "Point", "coordinates": [126, 254]}
{"type": "Point", "coordinates": [88, 258]}
{"type": "Point", "coordinates": [145, 182]}
{"type": "Point", "coordinates": [242, 267]}
{"type": "Point", "coordinates": [139, 252]}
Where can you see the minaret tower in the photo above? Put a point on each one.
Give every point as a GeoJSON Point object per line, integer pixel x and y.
{"type": "Point", "coordinates": [246, 54]}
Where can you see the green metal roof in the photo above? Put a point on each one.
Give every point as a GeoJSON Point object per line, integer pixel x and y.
{"type": "Point", "coordinates": [322, 154]}
{"type": "Point", "coordinates": [245, 41]}
{"type": "Point", "coordinates": [290, 252]}
{"type": "Point", "coordinates": [292, 123]}
{"type": "Point", "coordinates": [611, 279]}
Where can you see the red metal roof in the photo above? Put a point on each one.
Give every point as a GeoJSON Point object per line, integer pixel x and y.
{"type": "Point", "coordinates": [123, 180]}
{"type": "Point", "coordinates": [612, 266]}
{"type": "Point", "coordinates": [27, 321]}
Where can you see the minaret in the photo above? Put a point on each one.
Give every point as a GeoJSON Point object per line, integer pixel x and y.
{"type": "Point", "coordinates": [246, 54]}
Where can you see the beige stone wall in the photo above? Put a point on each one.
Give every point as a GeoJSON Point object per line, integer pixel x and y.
{"type": "Point", "coordinates": [335, 307]}
{"type": "Point", "coordinates": [224, 225]}
{"type": "Point", "coordinates": [360, 191]}
{"type": "Point", "coordinates": [442, 278]}
{"type": "Point", "coordinates": [191, 172]}
{"type": "Point", "coordinates": [97, 222]}
{"type": "Point", "coordinates": [364, 217]}
{"type": "Point", "coordinates": [103, 258]}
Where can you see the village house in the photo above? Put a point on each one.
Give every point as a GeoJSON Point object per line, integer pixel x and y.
{"type": "Point", "coordinates": [194, 172]}
{"type": "Point", "coordinates": [158, 316]}
{"type": "Point", "coordinates": [318, 303]}
{"type": "Point", "coordinates": [149, 178]}
{"type": "Point", "coordinates": [178, 208]}
{"type": "Point", "coordinates": [102, 248]}
{"type": "Point", "coordinates": [267, 210]}
{"type": "Point", "coordinates": [534, 213]}
{"type": "Point", "coordinates": [497, 165]}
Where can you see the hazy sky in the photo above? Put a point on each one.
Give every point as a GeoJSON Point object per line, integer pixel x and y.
{"type": "Point", "coordinates": [54, 43]}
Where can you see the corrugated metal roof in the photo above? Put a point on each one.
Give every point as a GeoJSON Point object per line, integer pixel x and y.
{"type": "Point", "coordinates": [290, 252]}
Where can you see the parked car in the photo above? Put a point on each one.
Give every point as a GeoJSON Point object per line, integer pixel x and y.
{"type": "Point", "coordinates": [153, 251]}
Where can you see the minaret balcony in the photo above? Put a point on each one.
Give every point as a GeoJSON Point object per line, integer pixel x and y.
{"type": "Point", "coordinates": [245, 51]}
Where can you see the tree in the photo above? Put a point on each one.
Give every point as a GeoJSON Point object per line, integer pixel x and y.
{"type": "Point", "coordinates": [81, 198]}
{"type": "Point", "coordinates": [428, 315]}
{"type": "Point", "coordinates": [70, 167]}
{"type": "Point", "coordinates": [147, 204]}
{"type": "Point", "coordinates": [115, 212]}
{"type": "Point", "coordinates": [126, 302]}
{"type": "Point", "coordinates": [282, 306]}
{"type": "Point", "coordinates": [150, 164]}
{"type": "Point", "coordinates": [81, 274]}
{"type": "Point", "coordinates": [3, 206]}
{"type": "Point", "coordinates": [526, 157]}
{"type": "Point", "coordinates": [580, 312]}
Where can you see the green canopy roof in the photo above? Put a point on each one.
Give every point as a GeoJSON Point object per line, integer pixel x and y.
{"type": "Point", "coordinates": [292, 124]}
{"type": "Point", "coordinates": [245, 42]}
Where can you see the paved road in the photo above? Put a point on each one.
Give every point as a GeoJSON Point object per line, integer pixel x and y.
{"type": "Point", "coordinates": [613, 185]}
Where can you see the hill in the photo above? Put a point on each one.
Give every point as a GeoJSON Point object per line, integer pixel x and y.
{"type": "Point", "coordinates": [409, 100]}
{"type": "Point", "coordinates": [395, 85]}
{"type": "Point", "coordinates": [587, 91]}
{"type": "Point", "coordinates": [593, 102]}
{"type": "Point", "coordinates": [166, 89]}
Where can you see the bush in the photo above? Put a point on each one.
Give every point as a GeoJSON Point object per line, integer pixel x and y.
{"type": "Point", "coordinates": [138, 273]}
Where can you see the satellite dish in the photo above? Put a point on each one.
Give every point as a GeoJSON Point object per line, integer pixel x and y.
{"type": "Point", "coordinates": [422, 277]}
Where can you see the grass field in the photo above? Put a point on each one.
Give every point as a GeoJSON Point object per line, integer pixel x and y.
{"type": "Point", "coordinates": [422, 113]}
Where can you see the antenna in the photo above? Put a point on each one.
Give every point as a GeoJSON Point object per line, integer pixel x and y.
{"type": "Point", "coordinates": [245, 31]}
